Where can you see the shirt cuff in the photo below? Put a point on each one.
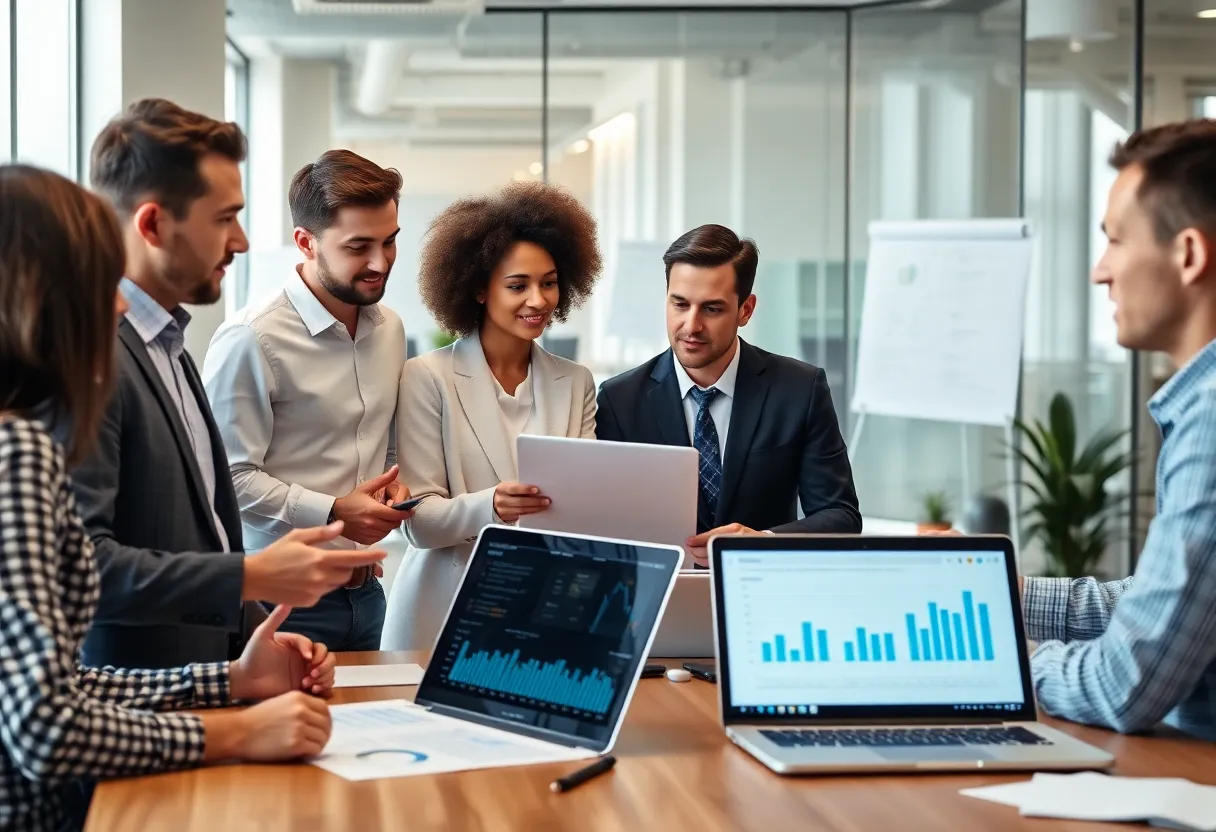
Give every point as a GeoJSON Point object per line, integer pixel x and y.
{"type": "Point", "coordinates": [1045, 608]}
{"type": "Point", "coordinates": [211, 684]}
{"type": "Point", "coordinates": [184, 740]}
{"type": "Point", "coordinates": [767, 531]}
{"type": "Point", "coordinates": [312, 509]}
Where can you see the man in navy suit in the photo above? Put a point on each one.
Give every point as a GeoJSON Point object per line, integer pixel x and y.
{"type": "Point", "coordinates": [764, 424]}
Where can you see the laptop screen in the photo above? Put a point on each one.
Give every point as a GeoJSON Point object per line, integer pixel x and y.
{"type": "Point", "coordinates": [813, 630]}
{"type": "Point", "coordinates": [548, 632]}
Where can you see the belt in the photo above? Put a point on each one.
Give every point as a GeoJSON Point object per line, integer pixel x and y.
{"type": "Point", "coordinates": [359, 577]}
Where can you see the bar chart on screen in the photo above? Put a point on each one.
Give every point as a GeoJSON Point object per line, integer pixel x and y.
{"type": "Point", "coordinates": [870, 630]}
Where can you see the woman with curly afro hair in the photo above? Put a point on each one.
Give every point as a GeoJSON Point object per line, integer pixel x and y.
{"type": "Point", "coordinates": [496, 271]}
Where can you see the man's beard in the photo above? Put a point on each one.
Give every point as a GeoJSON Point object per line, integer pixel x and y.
{"type": "Point", "coordinates": [202, 291]}
{"type": "Point", "coordinates": [348, 292]}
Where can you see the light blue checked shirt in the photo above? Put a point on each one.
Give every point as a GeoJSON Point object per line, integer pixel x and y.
{"type": "Point", "coordinates": [1129, 654]}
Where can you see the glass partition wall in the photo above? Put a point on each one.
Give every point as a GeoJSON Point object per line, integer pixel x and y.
{"type": "Point", "coordinates": [797, 128]}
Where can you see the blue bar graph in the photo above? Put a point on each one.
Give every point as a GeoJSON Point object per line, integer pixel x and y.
{"type": "Point", "coordinates": [951, 636]}
{"type": "Point", "coordinates": [775, 650]}
{"type": "Point", "coordinates": [937, 633]}
{"type": "Point", "coordinates": [985, 632]}
{"type": "Point", "coordinates": [959, 650]}
{"type": "Point", "coordinates": [948, 637]}
{"type": "Point", "coordinates": [547, 681]}
{"type": "Point", "coordinates": [945, 616]}
{"type": "Point", "coordinates": [970, 614]}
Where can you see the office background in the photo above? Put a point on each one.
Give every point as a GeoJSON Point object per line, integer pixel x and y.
{"type": "Point", "coordinates": [795, 123]}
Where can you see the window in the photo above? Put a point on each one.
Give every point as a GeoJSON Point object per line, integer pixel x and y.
{"type": "Point", "coordinates": [236, 108]}
{"type": "Point", "coordinates": [45, 84]}
{"type": "Point", "coordinates": [6, 81]}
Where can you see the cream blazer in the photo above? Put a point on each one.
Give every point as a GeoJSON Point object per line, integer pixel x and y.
{"type": "Point", "coordinates": [453, 447]}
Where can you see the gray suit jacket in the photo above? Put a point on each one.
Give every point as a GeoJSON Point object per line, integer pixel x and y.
{"type": "Point", "coordinates": [168, 596]}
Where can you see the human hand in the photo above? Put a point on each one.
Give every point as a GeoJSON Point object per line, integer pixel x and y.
{"type": "Point", "coordinates": [274, 663]}
{"type": "Point", "coordinates": [512, 500]}
{"type": "Point", "coordinates": [288, 727]}
{"type": "Point", "coordinates": [368, 520]}
{"type": "Point", "coordinates": [294, 571]}
{"type": "Point", "coordinates": [698, 545]}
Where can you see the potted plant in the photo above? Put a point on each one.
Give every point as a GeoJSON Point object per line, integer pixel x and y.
{"type": "Point", "coordinates": [935, 513]}
{"type": "Point", "coordinates": [441, 339]}
{"type": "Point", "coordinates": [1072, 505]}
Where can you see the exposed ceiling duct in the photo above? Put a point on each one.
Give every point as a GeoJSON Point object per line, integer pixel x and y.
{"type": "Point", "coordinates": [389, 6]}
{"type": "Point", "coordinates": [384, 64]}
{"type": "Point", "coordinates": [1076, 21]}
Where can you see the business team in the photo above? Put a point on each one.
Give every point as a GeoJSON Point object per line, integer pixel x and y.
{"type": "Point", "coordinates": [104, 411]}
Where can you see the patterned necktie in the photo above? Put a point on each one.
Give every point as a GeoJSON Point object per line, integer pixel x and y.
{"type": "Point", "coordinates": [705, 440]}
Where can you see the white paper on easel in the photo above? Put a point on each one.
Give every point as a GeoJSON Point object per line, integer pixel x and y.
{"type": "Point", "coordinates": [942, 320]}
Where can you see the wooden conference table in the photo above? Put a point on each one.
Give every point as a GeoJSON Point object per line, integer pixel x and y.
{"type": "Point", "coordinates": [675, 770]}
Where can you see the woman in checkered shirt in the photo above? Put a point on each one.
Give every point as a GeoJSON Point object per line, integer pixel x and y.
{"type": "Point", "coordinates": [63, 725]}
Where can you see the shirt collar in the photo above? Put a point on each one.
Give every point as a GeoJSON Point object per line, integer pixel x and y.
{"type": "Point", "coordinates": [148, 317]}
{"type": "Point", "coordinates": [314, 314]}
{"type": "Point", "coordinates": [1167, 404]}
{"type": "Point", "coordinates": [725, 383]}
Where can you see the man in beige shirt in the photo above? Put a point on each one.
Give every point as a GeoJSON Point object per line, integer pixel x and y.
{"type": "Point", "coordinates": [304, 388]}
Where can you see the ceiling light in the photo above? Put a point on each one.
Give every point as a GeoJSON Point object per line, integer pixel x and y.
{"type": "Point", "coordinates": [580, 146]}
{"type": "Point", "coordinates": [1207, 14]}
{"type": "Point", "coordinates": [536, 168]}
{"type": "Point", "coordinates": [1076, 45]}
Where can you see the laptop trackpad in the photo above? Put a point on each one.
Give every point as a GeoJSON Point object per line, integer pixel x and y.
{"type": "Point", "coordinates": [930, 754]}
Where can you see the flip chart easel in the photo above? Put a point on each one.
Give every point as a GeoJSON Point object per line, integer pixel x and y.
{"type": "Point", "coordinates": [942, 326]}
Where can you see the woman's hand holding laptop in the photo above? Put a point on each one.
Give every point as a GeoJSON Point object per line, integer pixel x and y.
{"type": "Point", "coordinates": [512, 500]}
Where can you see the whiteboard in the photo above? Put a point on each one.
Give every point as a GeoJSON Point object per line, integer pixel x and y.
{"type": "Point", "coordinates": [942, 320]}
{"type": "Point", "coordinates": [639, 292]}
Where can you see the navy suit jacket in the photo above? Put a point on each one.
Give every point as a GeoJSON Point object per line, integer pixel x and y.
{"type": "Point", "coordinates": [783, 444]}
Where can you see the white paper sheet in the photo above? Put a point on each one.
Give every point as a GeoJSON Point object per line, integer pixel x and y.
{"type": "Point", "coordinates": [1171, 802]}
{"type": "Point", "coordinates": [375, 740]}
{"type": "Point", "coordinates": [377, 675]}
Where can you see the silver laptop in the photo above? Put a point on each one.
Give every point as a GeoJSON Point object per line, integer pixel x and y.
{"type": "Point", "coordinates": [687, 628]}
{"type": "Point", "coordinates": [548, 633]}
{"type": "Point", "coordinates": [850, 654]}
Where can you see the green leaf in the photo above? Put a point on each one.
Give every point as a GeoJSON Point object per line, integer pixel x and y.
{"type": "Point", "coordinates": [1064, 427]}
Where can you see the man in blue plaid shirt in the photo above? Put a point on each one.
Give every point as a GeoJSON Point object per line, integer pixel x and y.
{"type": "Point", "coordinates": [1129, 654]}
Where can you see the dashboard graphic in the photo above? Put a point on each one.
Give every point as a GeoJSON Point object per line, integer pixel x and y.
{"type": "Point", "coordinates": [869, 628]}
{"type": "Point", "coordinates": [551, 631]}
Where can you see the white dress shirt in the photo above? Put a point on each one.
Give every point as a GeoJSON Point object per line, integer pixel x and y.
{"type": "Point", "coordinates": [519, 410]}
{"type": "Point", "coordinates": [305, 410]}
{"type": "Point", "coordinates": [164, 336]}
{"type": "Point", "coordinates": [719, 408]}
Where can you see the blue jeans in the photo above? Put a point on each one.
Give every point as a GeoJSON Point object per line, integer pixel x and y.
{"type": "Point", "coordinates": [343, 620]}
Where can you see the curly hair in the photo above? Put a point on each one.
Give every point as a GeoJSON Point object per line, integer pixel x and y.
{"type": "Point", "coordinates": [466, 242]}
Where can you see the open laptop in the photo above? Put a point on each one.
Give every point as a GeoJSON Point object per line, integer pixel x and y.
{"type": "Point", "coordinates": [879, 654]}
{"type": "Point", "coordinates": [686, 630]}
{"type": "Point", "coordinates": [548, 633]}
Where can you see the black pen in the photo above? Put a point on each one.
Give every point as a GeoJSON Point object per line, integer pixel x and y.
{"type": "Point", "coordinates": [565, 784]}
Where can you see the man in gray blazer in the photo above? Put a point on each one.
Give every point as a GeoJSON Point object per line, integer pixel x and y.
{"type": "Point", "coordinates": [155, 494]}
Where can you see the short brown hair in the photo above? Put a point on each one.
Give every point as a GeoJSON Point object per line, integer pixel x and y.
{"type": "Point", "coordinates": [1179, 165]}
{"type": "Point", "coordinates": [61, 257]}
{"type": "Point", "coordinates": [152, 152]}
{"type": "Point", "coordinates": [710, 246]}
{"type": "Point", "coordinates": [466, 242]}
{"type": "Point", "coordinates": [337, 180]}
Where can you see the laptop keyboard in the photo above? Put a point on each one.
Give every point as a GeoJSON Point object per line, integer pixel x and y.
{"type": "Point", "coordinates": [840, 737]}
